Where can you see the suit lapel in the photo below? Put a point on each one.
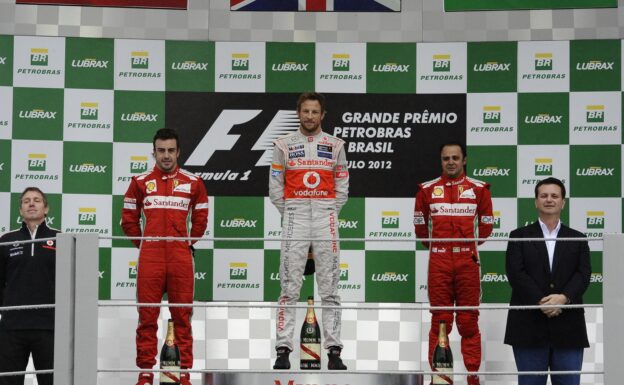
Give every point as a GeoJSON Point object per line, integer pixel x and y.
{"type": "Point", "coordinates": [535, 231]}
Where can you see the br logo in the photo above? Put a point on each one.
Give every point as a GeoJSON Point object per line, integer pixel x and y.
{"type": "Point", "coordinates": [341, 62]}
{"type": "Point", "coordinates": [238, 270]}
{"type": "Point", "coordinates": [139, 60]}
{"type": "Point", "coordinates": [389, 219]}
{"type": "Point", "coordinates": [240, 62]}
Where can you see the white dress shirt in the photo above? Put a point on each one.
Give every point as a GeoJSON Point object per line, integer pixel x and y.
{"type": "Point", "coordinates": [550, 245]}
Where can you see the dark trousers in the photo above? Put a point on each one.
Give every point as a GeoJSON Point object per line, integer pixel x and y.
{"type": "Point", "coordinates": [15, 348]}
{"type": "Point", "coordinates": [543, 359]}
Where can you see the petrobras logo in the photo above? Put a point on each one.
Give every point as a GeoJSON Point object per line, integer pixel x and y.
{"type": "Point", "coordinates": [491, 114]}
{"type": "Point", "coordinates": [132, 269]}
{"type": "Point", "coordinates": [240, 62]}
{"type": "Point", "coordinates": [139, 60]}
{"type": "Point", "coordinates": [138, 164]}
{"type": "Point", "coordinates": [344, 271]}
{"type": "Point", "coordinates": [39, 57]}
{"type": "Point", "coordinates": [390, 219]}
{"type": "Point", "coordinates": [492, 66]}
{"type": "Point", "coordinates": [441, 63]}
{"type": "Point", "coordinates": [189, 65]}
{"type": "Point", "coordinates": [543, 61]}
{"type": "Point", "coordinates": [543, 119]}
{"type": "Point", "coordinates": [345, 224]}
{"type": "Point", "coordinates": [543, 166]}
{"type": "Point", "coordinates": [595, 278]}
{"type": "Point", "coordinates": [238, 271]}
{"type": "Point", "coordinates": [88, 168]}
{"type": "Point", "coordinates": [389, 277]}
{"type": "Point", "coordinates": [497, 219]}
{"type": "Point", "coordinates": [87, 216]}
{"type": "Point", "coordinates": [595, 219]}
{"type": "Point", "coordinates": [595, 171]}
{"type": "Point", "coordinates": [37, 113]}
{"type": "Point", "coordinates": [594, 113]}
{"type": "Point", "coordinates": [236, 223]}
{"type": "Point", "coordinates": [391, 67]}
{"type": "Point", "coordinates": [491, 171]}
{"type": "Point", "coordinates": [341, 62]}
{"type": "Point", "coordinates": [494, 277]}
{"type": "Point", "coordinates": [290, 66]}
{"type": "Point", "coordinates": [138, 117]}
{"type": "Point", "coordinates": [89, 111]}
{"type": "Point", "coordinates": [89, 63]}
{"type": "Point", "coordinates": [37, 162]}
{"type": "Point", "coordinates": [595, 65]}
{"type": "Point", "coordinates": [455, 209]}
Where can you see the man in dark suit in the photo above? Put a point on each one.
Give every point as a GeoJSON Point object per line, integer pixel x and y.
{"type": "Point", "coordinates": [547, 273]}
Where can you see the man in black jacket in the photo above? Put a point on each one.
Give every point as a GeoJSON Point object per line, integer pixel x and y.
{"type": "Point", "coordinates": [548, 273]}
{"type": "Point", "coordinates": [27, 272]}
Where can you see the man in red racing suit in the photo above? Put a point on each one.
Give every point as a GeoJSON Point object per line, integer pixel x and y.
{"type": "Point", "coordinates": [449, 207]}
{"type": "Point", "coordinates": [166, 195]}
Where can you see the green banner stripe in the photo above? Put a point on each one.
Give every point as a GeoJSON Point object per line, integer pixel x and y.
{"type": "Point", "coordinates": [480, 5]}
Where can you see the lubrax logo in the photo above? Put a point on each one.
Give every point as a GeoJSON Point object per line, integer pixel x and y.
{"type": "Point", "coordinates": [138, 164]}
{"type": "Point", "coordinates": [595, 219]}
{"type": "Point", "coordinates": [595, 171]}
{"type": "Point", "coordinates": [238, 270]}
{"type": "Point", "coordinates": [492, 66]}
{"type": "Point", "coordinates": [543, 61]}
{"type": "Point", "coordinates": [595, 65]}
{"type": "Point", "coordinates": [491, 114]}
{"type": "Point", "coordinates": [88, 168]}
{"type": "Point", "coordinates": [240, 62]}
{"type": "Point", "coordinates": [494, 277]}
{"type": "Point", "coordinates": [389, 277]}
{"type": "Point", "coordinates": [594, 113]}
{"type": "Point", "coordinates": [87, 216]}
{"type": "Point", "coordinates": [38, 56]}
{"type": "Point", "coordinates": [189, 65]}
{"type": "Point", "coordinates": [89, 111]}
{"type": "Point", "coordinates": [543, 166]}
{"type": "Point", "coordinates": [389, 219]}
{"type": "Point", "coordinates": [239, 223]}
{"type": "Point", "coordinates": [37, 113]}
{"type": "Point", "coordinates": [497, 219]}
{"type": "Point", "coordinates": [344, 271]}
{"type": "Point", "coordinates": [543, 119]}
{"type": "Point", "coordinates": [341, 62]}
{"type": "Point", "coordinates": [289, 66]}
{"type": "Point", "coordinates": [2, 60]}
{"type": "Point", "coordinates": [37, 162]}
{"type": "Point", "coordinates": [442, 63]}
{"type": "Point", "coordinates": [345, 224]}
{"type": "Point", "coordinates": [139, 60]}
{"type": "Point", "coordinates": [132, 269]}
{"type": "Point", "coordinates": [138, 117]}
{"type": "Point", "coordinates": [200, 275]}
{"type": "Point", "coordinates": [391, 67]}
{"type": "Point", "coordinates": [491, 171]}
{"type": "Point", "coordinates": [89, 63]}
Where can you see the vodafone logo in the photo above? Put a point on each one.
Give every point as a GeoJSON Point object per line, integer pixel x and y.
{"type": "Point", "coordinates": [311, 179]}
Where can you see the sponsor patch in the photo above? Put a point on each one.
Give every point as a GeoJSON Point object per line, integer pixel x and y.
{"type": "Point", "coordinates": [296, 154]}
{"type": "Point", "coordinates": [296, 147]}
{"type": "Point", "coordinates": [438, 192]}
{"type": "Point", "coordinates": [276, 173]}
{"type": "Point", "coordinates": [342, 174]}
{"type": "Point", "coordinates": [419, 220]}
{"type": "Point", "coordinates": [322, 154]}
{"type": "Point", "coordinates": [184, 188]}
{"type": "Point", "coordinates": [277, 166]}
{"type": "Point", "coordinates": [150, 186]}
{"type": "Point", "coordinates": [324, 148]}
{"type": "Point", "coordinates": [468, 194]}
{"type": "Point", "coordinates": [487, 219]}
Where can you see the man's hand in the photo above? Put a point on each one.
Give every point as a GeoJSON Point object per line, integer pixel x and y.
{"type": "Point", "coordinates": [553, 299]}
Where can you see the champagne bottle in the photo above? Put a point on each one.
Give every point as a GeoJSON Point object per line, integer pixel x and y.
{"type": "Point", "coordinates": [170, 358]}
{"type": "Point", "coordinates": [310, 340]}
{"type": "Point", "coordinates": [442, 360]}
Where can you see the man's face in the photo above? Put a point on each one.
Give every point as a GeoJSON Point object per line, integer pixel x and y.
{"type": "Point", "coordinates": [453, 161]}
{"type": "Point", "coordinates": [549, 200]}
{"type": "Point", "coordinates": [32, 207]}
{"type": "Point", "coordinates": [310, 116]}
{"type": "Point", "coordinates": [166, 153]}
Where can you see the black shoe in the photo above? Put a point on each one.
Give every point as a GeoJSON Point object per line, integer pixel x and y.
{"type": "Point", "coordinates": [282, 361]}
{"type": "Point", "coordinates": [335, 362]}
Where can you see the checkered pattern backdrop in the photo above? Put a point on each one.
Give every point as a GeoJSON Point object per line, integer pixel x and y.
{"type": "Point", "coordinates": [79, 114]}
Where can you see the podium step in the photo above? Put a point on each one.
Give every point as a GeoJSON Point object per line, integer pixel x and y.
{"type": "Point", "coordinates": [311, 378]}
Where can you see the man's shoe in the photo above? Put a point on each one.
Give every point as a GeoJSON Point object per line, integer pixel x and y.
{"type": "Point", "coordinates": [473, 379]}
{"type": "Point", "coordinates": [185, 379]}
{"type": "Point", "coordinates": [282, 362]}
{"type": "Point", "coordinates": [145, 379]}
{"type": "Point", "coordinates": [335, 362]}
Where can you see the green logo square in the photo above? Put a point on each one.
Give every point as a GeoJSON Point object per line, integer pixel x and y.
{"type": "Point", "coordinates": [341, 62]}
{"type": "Point", "coordinates": [492, 67]}
{"type": "Point", "coordinates": [594, 114]}
{"type": "Point", "coordinates": [6, 60]}
{"type": "Point", "coordinates": [543, 167]}
{"type": "Point", "coordinates": [595, 65]}
{"type": "Point", "coordinates": [39, 57]}
{"type": "Point", "coordinates": [272, 286]}
{"type": "Point", "coordinates": [138, 114]}
{"type": "Point", "coordinates": [391, 68]}
{"type": "Point", "coordinates": [595, 171]}
{"type": "Point", "coordinates": [5, 165]}
{"type": "Point", "coordinates": [238, 271]}
{"type": "Point", "coordinates": [543, 118]}
{"type": "Point", "coordinates": [240, 62]}
{"type": "Point", "coordinates": [132, 270]}
{"type": "Point", "coordinates": [595, 219]}
{"type": "Point", "coordinates": [390, 219]}
{"type": "Point", "coordinates": [495, 165]}
{"type": "Point", "coordinates": [53, 219]}
{"type": "Point", "coordinates": [344, 272]}
{"type": "Point", "coordinates": [441, 63]}
{"type": "Point", "coordinates": [87, 168]}
{"type": "Point", "coordinates": [491, 115]}
{"type": "Point", "coordinates": [189, 66]}
{"type": "Point", "coordinates": [239, 217]}
{"type": "Point", "coordinates": [104, 274]}
{"type": "Point", "coordinates": [38, 113]}
{"type": "Point", "coordinates": [37, 162]}
{"type": "Point", "coordinates": [351, 223]}
{"type": "Point", "coordinates": [543, 62]}
{"type": "Point", "coordinates": [139, 60]}
{"type": "Point", "coordinates": [494, 284]}
{"type": "Point", "coordinates": [89, 63]}
{"type": "Point", "coordinates": [290, 67]}
{"type": "Point", "coordinates": [87, 216]}
{"type": "Point", "coordinates": [390, 276]}
{"type": "Point", "coordinates": [89, 111]}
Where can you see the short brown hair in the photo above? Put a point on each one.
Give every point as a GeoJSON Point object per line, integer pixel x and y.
{"type": "Point", "coordinates": [36, 189]}
{"type": "Point", "coordinates": [311, 96]}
